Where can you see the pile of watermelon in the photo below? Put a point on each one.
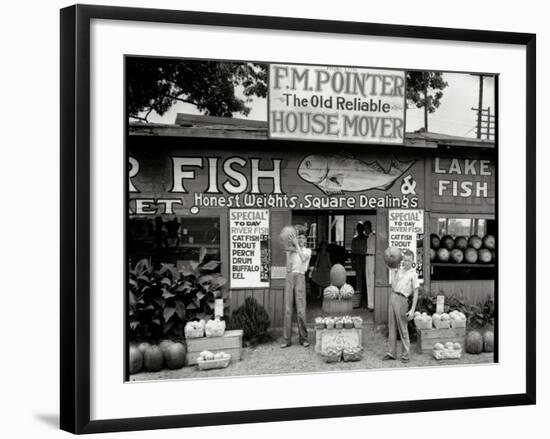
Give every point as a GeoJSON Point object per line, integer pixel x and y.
{"type": "Point", "coordinates": [460, 249]}
{"type": "Point", "coordinates": [153, 358]}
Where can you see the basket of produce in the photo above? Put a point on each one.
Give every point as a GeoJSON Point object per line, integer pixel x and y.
{"type": "Point", "coordinates": [422, 321]}
{"type": "Point", "coordinates": [357, 322]}
{"type": "Point", "coordinates": [441, 321]}
{"type": "Point", "coordinates": [338, 323]}
{"type": "Point", "coordinates": [458, 319]}
{"type": "Point", "coordinates": [319, 323]}
{"type": "Point", "coordinates": [447, 351]}
{"type": "Point", "coordinates": [329, 322]}
{"type": "Point", "coordinates": [348, 322]}
{"type": "Point", "coordinates": [215, 328]}
{"type": "Point", "coordinates": [331, 355]}
{"type": "Point", "coordinates": [194, 329]}
{"type": "Point", "coordinates": [208, 360]}
{"type": "Point", "coordinates": [354, 353]}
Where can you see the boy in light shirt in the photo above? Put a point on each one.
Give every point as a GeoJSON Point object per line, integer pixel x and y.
{"type": "Point", "coordinates": [297, 261]}
{"type": "Point", "coordinates": [404, 284]}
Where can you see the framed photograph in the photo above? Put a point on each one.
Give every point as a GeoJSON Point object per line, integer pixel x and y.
{"type": "Point", "coordinates": [315, 213]}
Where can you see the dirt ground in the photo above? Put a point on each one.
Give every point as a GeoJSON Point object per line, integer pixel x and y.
{"type": "Point", "coordinates": [271, 359]}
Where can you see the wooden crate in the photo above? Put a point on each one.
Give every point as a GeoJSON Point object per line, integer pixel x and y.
{"type": "Point", "coordinates": [427, 338]}
{"type": "Point", "coordinates": [353, 336]}
{"type": "Point", "coordinates": [231, 343]}
{"type": "Point", "coordinates": [331, 306]}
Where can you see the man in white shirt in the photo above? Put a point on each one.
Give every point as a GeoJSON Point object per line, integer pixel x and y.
{"type": "Point", "coordinates": [404, 284]}
{"type": "Point", "coordinates": [297, 261]}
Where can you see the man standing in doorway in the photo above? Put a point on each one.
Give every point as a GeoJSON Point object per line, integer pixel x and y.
{"type": "Point", "coordinates": [297, 261]}
{"type": "Point", "coordinates": [358, 255]}
{"type": "Point", "coordinates": [369, 267]}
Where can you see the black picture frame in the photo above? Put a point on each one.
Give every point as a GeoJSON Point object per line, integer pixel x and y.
{"type": "Point", "coordinates": [75, 217]}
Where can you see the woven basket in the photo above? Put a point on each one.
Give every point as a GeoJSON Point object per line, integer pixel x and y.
{"type": "Point", "coordinates": [353, 357]}
{"type": "Point", "coordinates": [458, 323]}
{"type": "Point", "coordinates": [442, 324]}
{"type": "Point", "coordinates": [447, 354]}
{"type": "Point", "coordinates": [213, 364]}
{"type": "Point", "coordinates": [194, 333]}
{"type": "Point", "coordinates": [331, 358]}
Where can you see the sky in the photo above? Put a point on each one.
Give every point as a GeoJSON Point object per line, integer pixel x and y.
{"type": "Point", "coordinates": [454, 116]}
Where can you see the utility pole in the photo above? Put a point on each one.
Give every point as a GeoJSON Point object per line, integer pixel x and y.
{"type": "Point", "coordinates": [483, 112]}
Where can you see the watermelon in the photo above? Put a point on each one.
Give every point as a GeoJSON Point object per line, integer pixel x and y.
{"type": "Point", "coordinates": [174, 356]}
{"type": "Point", "coordinates": [484, 255]}
{"type": "Point", "coordinates": [153, 359]}
{"type": "Point", "coordinates": [135, 360]}
{"type": "Point", "coordinates": [474, 343]}
{"type": "Point", "coordinates": [337, 275]}
{"type": "Point", "coordinates": [457, 255]}
{"type": "Point", "coordinates": [435, 242]}
{"type": "Point", "coordinates": [287, 233]}
{"type": "Point", "coordinates": [443, 254]}
{"type": "Point", "coordinates": [433, 254]}
{"type": "Point", "coordinates": [461, 242]}
{"type": "Point", "coordinates": [392, 257]}
{"type": "Point", "coordinates": [489, 242]}
{"type": "Point", "coordinates": [475, 242]}
{"type": "Point", "coordinates": [143, 346]}
{"type": "Point", "coordinates": [448, 242]}
{"type": "Point", "coordinates": [165, 344]}
{"type": "Point", "coordinates": [488, 341]}
{"type": "Point", "coordinates": [470, 255]}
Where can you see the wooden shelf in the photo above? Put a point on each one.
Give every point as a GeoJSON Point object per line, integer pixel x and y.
{"type": "Point", "coordinates": [461, 265]}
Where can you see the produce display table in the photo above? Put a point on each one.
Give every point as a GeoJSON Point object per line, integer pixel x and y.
{"type": "Point", "coordinates": [427, 338]}
{"type": "Point", "coordinates": [332, 306]}
{"type": "Point", "coordinates": [231, 343]}
{"type": "Point", "coordinates": [347, 337]}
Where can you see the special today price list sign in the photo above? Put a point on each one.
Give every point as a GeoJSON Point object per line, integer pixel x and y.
{"type": "Point", "coordinates": [346, 104]}
{"type": "Point", "coordinates": [249, 248]}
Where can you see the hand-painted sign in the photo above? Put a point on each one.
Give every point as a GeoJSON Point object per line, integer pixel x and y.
{"type": "Point", "coordinates": [404, 228]}
{"type": "Point", "coordinates": [184, 182]}
{"type": "Point", "coordinates": [347, 104]}
{"type": "Point", "coordinates": [463, 182]}
{"type": "Point", "coordinates": [249, 252]}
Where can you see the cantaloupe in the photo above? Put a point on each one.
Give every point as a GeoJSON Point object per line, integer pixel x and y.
{"type": "Point", "coordinates": [443, 254]}
{"type": "Point", "coordinates": [475, 242]}
{"type": "Point", "coordinates": [488, 341]}
{"type": "Point", "coordinates": [470, 255]}
{"type": "Point", "coordinates": [457, 255]}
{"type": "Point", "coordinates": [474, 343]}
{"type": "Point", "coordinates": [337, 275]}
{"type": "Point", "coordinates": [489, 242]}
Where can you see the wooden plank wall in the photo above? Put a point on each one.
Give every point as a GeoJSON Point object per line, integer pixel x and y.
{"type": "Point", "coordinates": [272, 299]}
{"type": "Point", "coordinates": [473, 292]}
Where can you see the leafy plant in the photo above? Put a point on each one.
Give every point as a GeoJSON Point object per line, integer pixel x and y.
{"type": "Point", "coordinates": [162, 300]}
{"type": "Point", "coordinates": [253, 319]}
{"type": "Point", "coordinates": [477, 315]}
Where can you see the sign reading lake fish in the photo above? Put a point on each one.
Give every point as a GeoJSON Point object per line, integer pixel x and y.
{"type": "Point", "coordinates": [345, 104]}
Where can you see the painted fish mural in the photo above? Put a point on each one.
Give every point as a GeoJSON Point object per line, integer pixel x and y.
{"type": "Point", "coordinates": [336, 173]}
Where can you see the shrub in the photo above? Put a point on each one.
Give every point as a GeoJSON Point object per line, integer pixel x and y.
{"type": "Point", "coordinates": [162, 300]}
{"type": "Point", "coordinates": [253, 319]}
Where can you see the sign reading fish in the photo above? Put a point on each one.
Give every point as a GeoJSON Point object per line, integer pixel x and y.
{"type": "Point", "coordinates": [334, 173]}
{"type": "Point", "coordinates": [336, 103]}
